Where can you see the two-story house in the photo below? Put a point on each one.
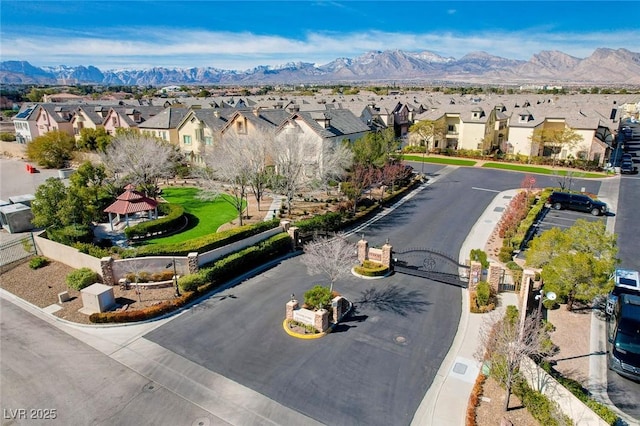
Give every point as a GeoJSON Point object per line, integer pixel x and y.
{"type": "Point", "coordinates": [24, 123]}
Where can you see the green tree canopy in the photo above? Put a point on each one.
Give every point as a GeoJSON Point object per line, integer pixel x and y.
{"type": "Point", "coordinates": [428, 131]}
{"type": "Point", "coordinates": [556, 139]}
{"type": "Point", "coordinates": [48, 205]}
{"type": "Point", "coordinates": [576, 263]}
{"type": "Point", "coordinates": [52, 150]}
{"type": "Point", "coordinates": [93, 139]}
{"type": "Point", "coordinates": [374, 148]}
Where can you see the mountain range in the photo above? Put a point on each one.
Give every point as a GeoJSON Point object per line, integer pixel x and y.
{"type": "Point", "coordinates": [604, 66]}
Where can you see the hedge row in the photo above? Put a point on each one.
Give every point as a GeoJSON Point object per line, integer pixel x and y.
{"type": "Point", "coordinates": [474, 400]}
{"type": "Point", "coordinates": [172, 220]}
{"type": "Point", "coordinates": [240, 261]}
{"type": "Point", "coordinates": [539, 406]}
{"type": "Point", "coordinates": [371, 269]}
{"type": "Point", "coordinates": [582, 394]}
{"type": "Point", "coordinates": [522, 233]}
{"type": "Point", "coordinates": [204, 281]}
{"type": "Point", "coordinates": [206, 242]}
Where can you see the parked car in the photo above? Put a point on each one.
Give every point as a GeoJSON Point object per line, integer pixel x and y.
{"type": "Point", "coordinates": [627, 132]}
{"type": "Point", "coordinates": [625, 281]}
{"type": "Point", "coordinates": [627, 167]}
{"type": "Point", "coordinates": [578, 202]}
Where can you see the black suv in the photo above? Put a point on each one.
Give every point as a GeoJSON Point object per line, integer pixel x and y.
{"type": "Point", "coordinates": [579, 202]}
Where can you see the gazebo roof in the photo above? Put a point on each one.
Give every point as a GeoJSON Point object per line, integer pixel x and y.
{"type": "Point", "coordinates": [131, 201]}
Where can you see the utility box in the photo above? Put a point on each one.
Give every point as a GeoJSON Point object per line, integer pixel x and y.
{"type": "Point", "coordinates": [97, 298]}
{"type": "Point", "coordinates": [25, 199]}
{"type": "Point", "coordinates": [16, 218]}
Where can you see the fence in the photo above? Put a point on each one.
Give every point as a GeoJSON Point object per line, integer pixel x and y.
{"type": "Point", "coordinates": [16, 250]}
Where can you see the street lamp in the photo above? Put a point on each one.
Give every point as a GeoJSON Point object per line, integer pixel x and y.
{"type": "Point", "coordinates": [541, 297]}
{"type": "Point", "coordinates": [175, 276]}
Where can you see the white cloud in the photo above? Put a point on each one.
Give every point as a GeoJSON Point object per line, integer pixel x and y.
{"type": "Point", "coordinates": [184, 48]}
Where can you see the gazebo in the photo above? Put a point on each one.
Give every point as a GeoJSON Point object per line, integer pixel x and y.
{"type": "Point", "coordinates": [132, 202]}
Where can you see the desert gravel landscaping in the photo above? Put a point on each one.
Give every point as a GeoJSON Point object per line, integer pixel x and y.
{"type": "Point", "coordinates": [40, 287]}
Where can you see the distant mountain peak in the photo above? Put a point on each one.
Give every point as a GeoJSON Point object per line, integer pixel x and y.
{"type": "Point", "coordinates": [605, 65]}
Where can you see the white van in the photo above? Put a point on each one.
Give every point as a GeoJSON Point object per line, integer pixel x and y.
{"type": "Point", "coordinates": [626, 281]}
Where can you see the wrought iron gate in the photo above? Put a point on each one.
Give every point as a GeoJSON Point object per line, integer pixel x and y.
{"type": "Point", "coordinates": [430, 264]}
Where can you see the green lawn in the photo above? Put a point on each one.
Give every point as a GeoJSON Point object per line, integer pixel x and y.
{"type": "Point", "coordinates": [541, 170]}
{"type": "Point", "coordinates": [207, 216]}
{"type": "Point", "coordinates": [439, 160]}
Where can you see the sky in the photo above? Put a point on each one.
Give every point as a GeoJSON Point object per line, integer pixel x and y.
{"type": "Point", "coordinates": [240, 35]}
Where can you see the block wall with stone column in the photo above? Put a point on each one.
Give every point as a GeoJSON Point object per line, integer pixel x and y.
{"type": "Point", "coordinates": [106, 265]}
{"type": "Point", "coordinates": [192, 259]}
{"type": "Point", "coordinates": [494, 275]}
{"type": "Point", "coordinates": [295, 236]}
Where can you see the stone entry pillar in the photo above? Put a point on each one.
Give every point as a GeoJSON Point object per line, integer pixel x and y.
{"type": "Point", "coordinates": [321, 320]}
{"type": "Point", "coordinates": [339, 305]}
{"type": "Point", "coordinates": [363, 249]}
{"type": "Point", "coordinates": [387, 249]}
{"type": "Point", "coordinates": [493, 277]}
{"type": "Point", "coordinates": [106, 264]}
{"type": "Point", "coordinates": [475, 275]}
{"type": "Point", "coordinates": [292, 305]}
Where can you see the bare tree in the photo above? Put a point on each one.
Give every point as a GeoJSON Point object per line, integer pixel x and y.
{"type": "Point", "coordinates": [505, 342]}
{"type": "Point", "coordinates": [291, 153]}
{"type": "Point", "coordinates": [333, 257]}
{"type": "Point", "coordinates": [226, 171]}
{"type": "Point", "coordinates": [362, 176]}
{"type": "Point", "coordinates": [336, 159]}
{"type": "Point", "coordinates": [139, 160]}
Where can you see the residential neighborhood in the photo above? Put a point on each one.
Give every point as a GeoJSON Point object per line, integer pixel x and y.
{"type": "Point", "coordinates": [482, 123]}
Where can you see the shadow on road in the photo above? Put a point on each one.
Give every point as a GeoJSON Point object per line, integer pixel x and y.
{"type": "Point", "coordinates": [393, 299]}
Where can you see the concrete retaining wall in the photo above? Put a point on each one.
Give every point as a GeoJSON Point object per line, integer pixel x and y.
{"type": "Point", "coordinates": [67, 255]}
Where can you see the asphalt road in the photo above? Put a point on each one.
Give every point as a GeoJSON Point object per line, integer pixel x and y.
{"type": "Point", "coordinates": [377, 367]}
{"type": "Point", "coordinates": [46, 370]}
{"type": "Point", "coordinates": [374, 369]}
{"type": "Point", "coordinates": [624, 393]}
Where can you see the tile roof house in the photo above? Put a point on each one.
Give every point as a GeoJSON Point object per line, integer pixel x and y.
{"type": "Point", "coordinates": [201, 128]}
{"type": "Point", "coordinates": [87, 117]}
{"type": "Point", "coordinates": [55, 117]}
{"type": "Point", "coordinates": [128, 117]}
{"type": "Point", "coordinates": [164, 125]}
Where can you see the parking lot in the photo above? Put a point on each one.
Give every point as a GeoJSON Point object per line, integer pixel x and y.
{"type": "Point", "coordinates": [563, 219]}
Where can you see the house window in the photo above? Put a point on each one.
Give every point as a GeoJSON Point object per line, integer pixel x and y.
{"type": "Point", "coordinates": [451, 128]}
{"type": "Point", "coordinates": [186, 139]}
{"type": "Point", "coordinates": [208, 140]}
{"type": "Point", "coordinates": [240, 127]}
{"type": "Point", "coordinates": [163, 135]}
{"type": "Point", "coordinates": [114, 121]}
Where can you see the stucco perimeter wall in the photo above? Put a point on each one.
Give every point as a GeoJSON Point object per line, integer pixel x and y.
{"type": "Point", "coordinates": [67, 255]}
{"type": "Point", "coordinates": [212, 255]}
{"type": "Point", "coordinates": [539, 380]}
